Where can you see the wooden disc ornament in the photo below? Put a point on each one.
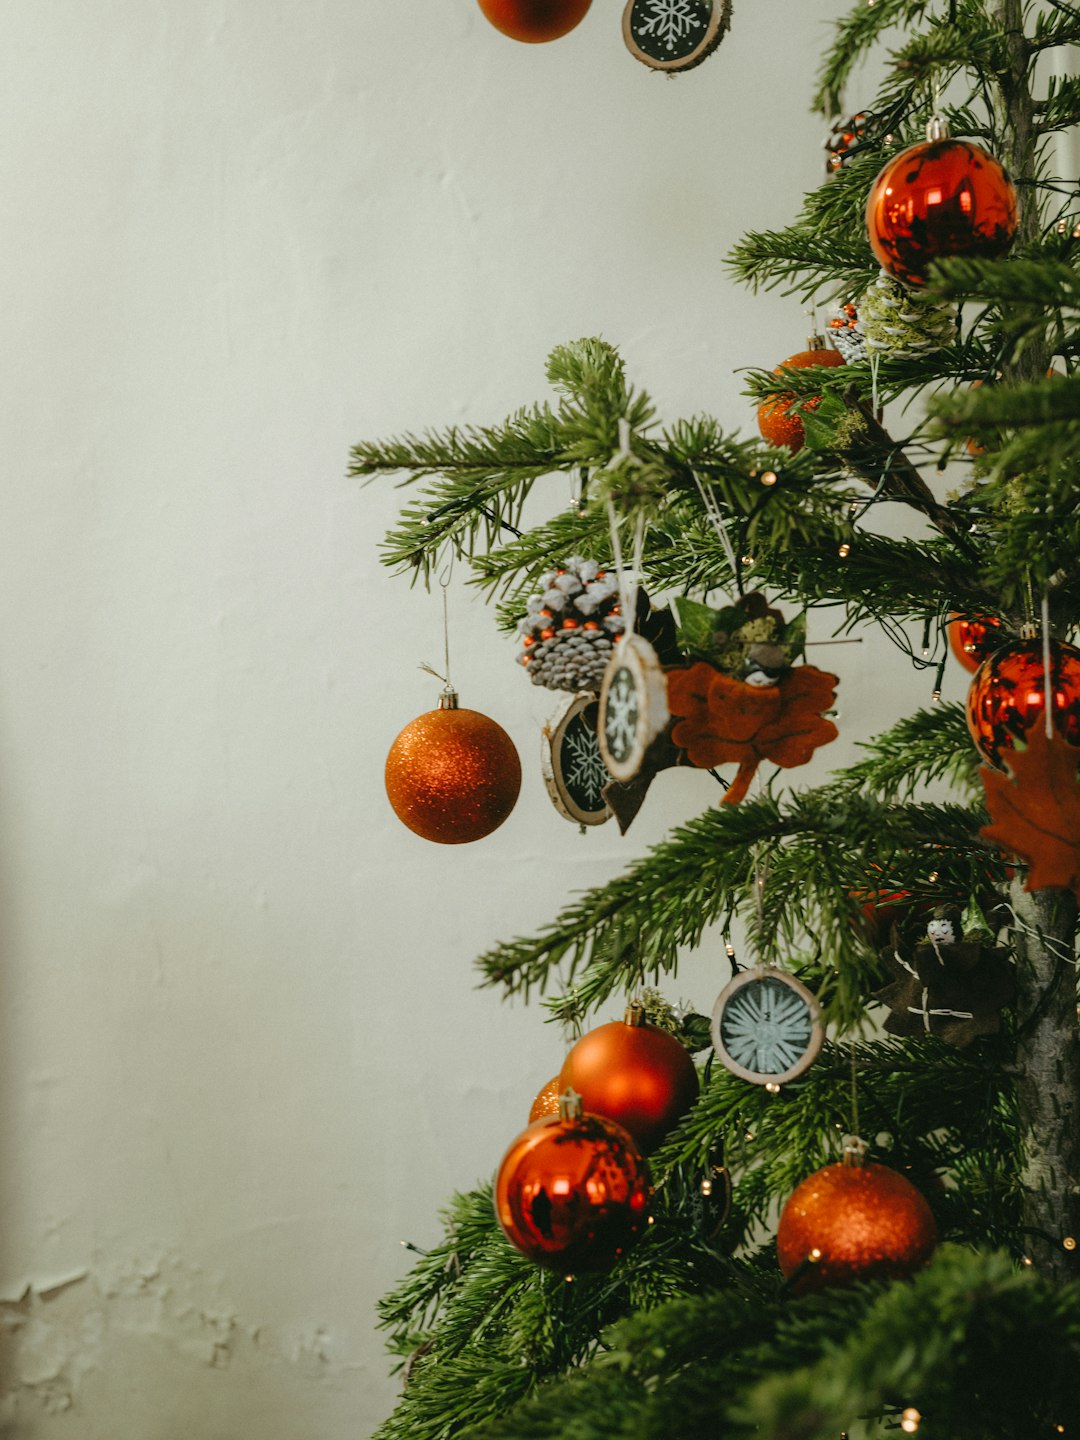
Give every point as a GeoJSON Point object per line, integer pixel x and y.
{"type": "Point", "coordinates": [572, 765]}
{"type": "Point", "coordinates": [635, 1074]}
{"type": "Point", "coordinates": [573, 1191]}
{"type": "Point", "coordinates": [453, 775]}
{"type": "Point", "coordinates": [633, 706]}
{"type": "Point", "coordinates": [767, 1026]}
{"type": "Point", "coordinates": [854, 1221]}
{"type": "Point", "coordinates": [535, 21]}
{"type": "Point", "coordinates": [674, 34]}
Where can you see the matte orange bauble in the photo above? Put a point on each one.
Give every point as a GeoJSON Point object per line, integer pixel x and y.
{"type": "Point", "coordinates": [572, 1192]}
{"type": "Point", "coordinates": [535, 20]}
{"type": "Point", "coordinates": [453, 775]}
{"type": "Point", "coordinates": [973, 637]}
{"type": "Point", "coordinates": [853, 1222]}
{"type": "Point", "coordinates": [1008, 696]}
{"type": "Point", "coordinates": [778, 423]}
{"type": "Point", "coordinates": [635, 1074]}
{"type": "Point", "coordinates": [939, 198]}
{"type": "Point", "coordinates": [547, 1100]}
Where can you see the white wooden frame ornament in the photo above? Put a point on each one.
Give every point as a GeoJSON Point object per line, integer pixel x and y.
{"type": "Point", "coordinates": [715, 30]}
{"type": "Point", "coordinates": [553, 761]}
{"type": "Point", "coordinates": [810, 1049]}
{"type": "Point", "coordinates": [633, 673]}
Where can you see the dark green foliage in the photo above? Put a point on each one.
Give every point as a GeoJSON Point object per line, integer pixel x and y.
{"type": "Point", "coordinates": [693, 1334]}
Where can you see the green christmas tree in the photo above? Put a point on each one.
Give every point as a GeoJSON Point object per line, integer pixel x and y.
{"type": "Point", "coordinates": [975, 1100]}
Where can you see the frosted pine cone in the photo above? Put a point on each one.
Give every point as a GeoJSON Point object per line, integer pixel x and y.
{"type": "Point", "coordinates": [896, 320]}
{"type": "Point", "coordinates": [570, 626]}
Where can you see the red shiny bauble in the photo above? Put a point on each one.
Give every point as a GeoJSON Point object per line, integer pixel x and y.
{"type": "Point", "coordinates": [573, 1194]}
{"type": "Point", "coordinates": [854, 1222]}
{"type": "Point", "coordinates": [635, 1074]}
{"type": "Point", "coordinates": [778, 424]}
{"type": "Point", "coordinates": [535, 20]}
{"type": "Point", "coordinates": [453, 775]}
{"type": "Point", "coordinates": [974, 637]}
{"type": "Point", "coordinates": [939, 198]}
{"type": "Point", "coordinates": [547, 1100]}
{"type": "Point", "coordinates": [1008, 696]}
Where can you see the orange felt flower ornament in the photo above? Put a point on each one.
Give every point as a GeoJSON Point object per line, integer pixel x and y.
{"type": "Point", "coordinates": [1036, 809]}
{"type": "Point", "coordinates": [727, 721]}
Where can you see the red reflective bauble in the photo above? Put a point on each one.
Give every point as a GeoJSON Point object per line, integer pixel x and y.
{"type": "Point", "coordinates": [940, 198]}
{"type": "Point", "coordinates": [854, 1222]}
{"type": "Point", "coordinates": [535, 20]}
{"type": "Point", "coordinates": [972, 638]}
{"type": "Point", "coordinates": [573, 1194]}
{"type": "Point", "coordinates": [635, 1074]}
{"type": "Point", "coordinates": [453, 775]}
{"type": "Point", "coordinates": [779, 425]}
{"type": "Point", "coordinates": [1008, 696]}
{"type": "Point", "coordinates": [547, 1100]}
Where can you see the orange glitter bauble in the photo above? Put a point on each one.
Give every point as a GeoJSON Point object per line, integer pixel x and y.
{"type": "Point", "coordinates": [940, 198]}
{"type": "Point", "coordinates": [974, 637]}
{"type": "Point", "coordinates": [779, 425]}
{"type": "Point", "coordinates": [1008, 696]}
{"type": "Point", "coordinates": [573, 1194]}
{"type": "Point", "coordinates": [635, 1074]}
{"type": "Point", "coordinates": [854, 1222]}
{"type": "Point", "coordinates": [535, 21]}
{"type": "Point", "coordinates": [547, 1100]}
{"type": "Point", "coordinates": [453, 775]}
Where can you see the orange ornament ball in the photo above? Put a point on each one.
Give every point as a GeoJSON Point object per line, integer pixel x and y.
{"type": "Point", "coordinates": [547, 1100]}
{"type": "Point", "coordinates": [535, 21]}
{"type": "Point", "coordinates": [972, 638]}
{"type": "Point", "coordinates": [572, 1194]}
{"type": "Point", "coordinates": [453, 775]}
{"type": "Point", "coordinates": [635, 1074]}
{"type": "Point", "coordinates": [778, 422]}
{"type": "Point", "coordinates": [939, 198]}
{"type": "Point", "coordinates": [854, 1222]}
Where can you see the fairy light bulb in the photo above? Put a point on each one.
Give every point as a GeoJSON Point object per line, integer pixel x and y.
{"type": "Point", "coordinates": [1069, 1243]}
{"type": "Point", "coordinates": [910, 1420]}
{"type": "Point", "coordinates": [768, 477]}
{"type": "Point", "coordinates": [844, 551]}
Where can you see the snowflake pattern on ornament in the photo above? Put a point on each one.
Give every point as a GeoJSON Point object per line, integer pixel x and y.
{"type": "Point", "coordinates": [584, 768]}
{"type": "Point", "coordinates": [671, 20]}
{"type": "Point", "coordinates": [622, 715]}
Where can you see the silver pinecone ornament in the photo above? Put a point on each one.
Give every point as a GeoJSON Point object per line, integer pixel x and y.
{"type": "Point", "coordinates": [570, 626]}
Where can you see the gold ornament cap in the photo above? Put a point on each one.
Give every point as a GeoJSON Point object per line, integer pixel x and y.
{"type": "Point", "coordinates": [448, 700]}
{"type": "Point", "coordinates": [855, 1151]}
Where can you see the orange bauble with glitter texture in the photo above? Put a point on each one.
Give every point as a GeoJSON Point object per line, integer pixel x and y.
{"type": "Point", "coordinates": [547, 1100]}
{"type": "Point", "coordinates": [939, 198]}
{"type": "Point", "coordinates": [572, 1194]}
{"type": "Point", "coordinates": [635, 1074]}
{"type": "Point", "coordinates": [535, 21]}
{"type": "Point", "coordinates": [778, 422]}
{"type": "Point", "coordinates": [853, 1222]}
{"type": "Point", "coordinates": [453, 775]}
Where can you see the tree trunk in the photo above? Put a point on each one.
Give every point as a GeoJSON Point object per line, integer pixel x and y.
{"type": "Point", "coordinates": [1048, 1088]}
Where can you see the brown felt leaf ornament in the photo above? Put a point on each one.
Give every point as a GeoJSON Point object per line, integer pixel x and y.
{"type": "Point", "coordinates": [723, 721]}
{"type": "Point", "coordinates": [1036, 809]}
{"type": "Point", "coordinates": [946, 986]}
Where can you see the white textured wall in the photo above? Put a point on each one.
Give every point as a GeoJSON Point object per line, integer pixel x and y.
{"type": "Point", "coordinates": [241, 1052]}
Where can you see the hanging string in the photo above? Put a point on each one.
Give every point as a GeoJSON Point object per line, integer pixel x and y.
{"type": "Point", "coordinates": [716, 519]}
{"type": "Point", "coordinates": [1047, 696]}
{"type": "Point", "coordinates": [854, 1092]}
{"type": "Point", "coordinates": [444, 582]}
{"type": "Point", "coordinates": [875, 403]}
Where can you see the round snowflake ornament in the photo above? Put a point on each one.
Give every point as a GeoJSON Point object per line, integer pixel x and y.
{"type": "Point", "coordinates": [633, 706]}
{"type": "Point", "coordinates": [674, 34]}
{"type": "Point", "coordinates": [767, 1026]}
{"type": "Point", "coordinates": [570, 626]}
{"type": "Point", "coordinates": [573, 767]}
